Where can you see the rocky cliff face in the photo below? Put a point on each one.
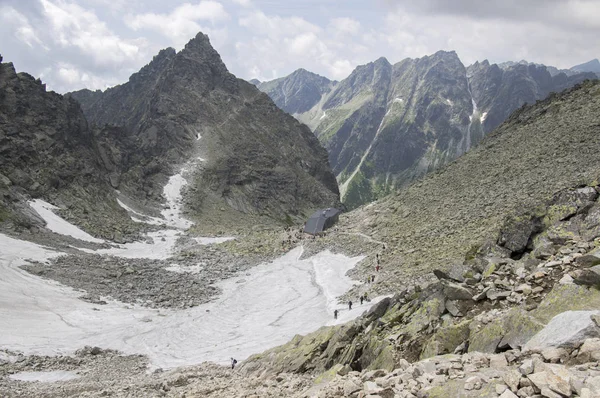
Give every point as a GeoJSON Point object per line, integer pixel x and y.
{"type": "Point", "coordinates": [47, 150]}
{"type": "Point", "coordinates": [386, 125]}
{"type": "Point", "coordinates": [186, 109]}
{"type": "Point", "coordinates": [298, 92]}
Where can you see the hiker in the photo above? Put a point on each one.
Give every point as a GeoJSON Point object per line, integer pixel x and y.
{"type": "Point", "coordinates": [350, 304]}
{"type": "Point", "coordinates": [377, 268]}
{"type": "Point", "coordinates": [233, 362]}
{"type": "Point", "coordinates": [373, 278]}
{"type": "Point", "coordinates": [366, 297]}
{"type": "Point", "coordinates": [361, 300]}
{"type": "Point", "coordinates": [335, 312]}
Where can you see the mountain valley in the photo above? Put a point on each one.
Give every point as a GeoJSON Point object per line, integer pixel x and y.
{"type": "Point", "coordinates": [152, 232]}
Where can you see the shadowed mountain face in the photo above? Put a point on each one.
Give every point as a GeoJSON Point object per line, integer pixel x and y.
{"type": "Point", "coordinates": [386, 125]}
{"type": "Point", "coordinates": [245, 152]}
{"type": "Point", "coordinates": [47, 150]}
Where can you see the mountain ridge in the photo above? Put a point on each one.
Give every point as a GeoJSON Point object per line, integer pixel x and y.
{"type": "Point", "coordinates": [379, 141]}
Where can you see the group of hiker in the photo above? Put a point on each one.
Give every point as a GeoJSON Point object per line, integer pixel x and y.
{"type": "Point", "coordinates": [370, 279]}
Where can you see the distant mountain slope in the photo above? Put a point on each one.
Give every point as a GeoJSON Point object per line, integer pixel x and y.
{"type": "Point", "coordinates": [245, 154]}
{"type": "Point", "coordinates": [498, 92]}
{"type": "Point", "coordinates": [298, 92]}
{"type": "Point", "coordinates": [538, 151]}
{"type": "Point", "coordinates": [591, 66]}
{"type": "Point", "coordinates": [387, 124]}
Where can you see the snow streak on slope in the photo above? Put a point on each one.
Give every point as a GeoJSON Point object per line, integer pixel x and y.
{"type": "Point", "coordinates": [172, 193]}
{"type": "Point", "coordinates": [146, 219]}
{"type": "Point", "coordinates": [344, 186]}
{"type": "Point", "coordinates": [264, 308]}
{"type": "Point", "coordinates": [56, 224]}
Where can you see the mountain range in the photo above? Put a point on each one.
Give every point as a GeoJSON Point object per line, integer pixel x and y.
{"type": "Point", "coordinates": [385, 125]}
{"type": "Point", "coordinates": [182, 111]}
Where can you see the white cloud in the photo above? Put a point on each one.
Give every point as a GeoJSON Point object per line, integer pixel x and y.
{"type": "Point", "coordinates": [305, 44]}
{"type": "Point", "coordinates": [74, 26]}
{"type": "Point", "coordinates": [23, 30]}
{"type": "Point", "coordinates": [345, 25]}
{"type": "Point", "coordinates": [243, 3]}
{"type": "Point", "coordinates": [181, 24]}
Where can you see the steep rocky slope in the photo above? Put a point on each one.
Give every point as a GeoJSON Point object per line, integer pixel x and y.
{"type": "Point", "coordinates": [47, 150]}
{"type": "Point", "coordinates": [186, 109]}
{"type": "Point", "coordinates": [386, 125]}
{"type": "Point", "coordinates": [298, 92]}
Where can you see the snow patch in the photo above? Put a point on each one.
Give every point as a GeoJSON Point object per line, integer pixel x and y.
{"type": "Point", "coordinates": [483, 116]}
{"type": "Point", "coordinates": [56, 224]}
{"type": "Point", "coordinates": [45, 377]}
{"type": "Point", "coordinates": [323, 116]}
{"type": "Point", "coordinates": [398, 99]}
{"type": "Point", "coordinates": [145, 218]}
{"type": "Point", "coordinates": [161, 247]}
{"type": "Point", "coordinates": [182, 269]}
{"type": "Point", "coordinates": [211, 241]}
{"type": "Point", "coordinates": [449, 102]}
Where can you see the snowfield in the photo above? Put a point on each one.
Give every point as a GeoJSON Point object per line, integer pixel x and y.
{"type": "Point", "coordinates": [263, 308]}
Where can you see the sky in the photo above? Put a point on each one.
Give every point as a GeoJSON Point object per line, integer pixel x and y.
{"type": "Point", "coordinates": [74, 44]}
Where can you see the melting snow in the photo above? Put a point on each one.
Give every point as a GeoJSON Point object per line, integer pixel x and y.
{"type": "Point", "coordinates": [263, 308]}
{"type": "Point", "coordinates": [483, 116]}
{"type": "Point", "coordinates": [210, 241]}
{"type": "Point", "coordinates": [45, 377]}
{"type": "Point", "coordinates": [323, 116]}
{"type": "Point", "coordinates": [172, 213]}
{"type": "Point", "coordinates": [145, 218]}
{"type": "Point", "coordinates": [161, 247]}
{"type": "Point", "coordinates": [56, 224]}
{"type": "Point", "coordinates": [398, 100]}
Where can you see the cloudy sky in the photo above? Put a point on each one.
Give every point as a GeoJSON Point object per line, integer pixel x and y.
{"type": "Point", "coordinates": [73, 44]}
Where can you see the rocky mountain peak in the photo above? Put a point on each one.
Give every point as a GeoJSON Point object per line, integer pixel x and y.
{"type": "Point", "coordinates": [591, 66]}
{"type": "Point", "coordinates": [187, 105]}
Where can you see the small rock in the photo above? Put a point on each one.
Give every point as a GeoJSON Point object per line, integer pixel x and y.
{"type": "Point", "coordinates": [498, 361]}
{"type": "Point", "coordinates": [508, 394]}
{"type": "Point", "coordinates": [526, 367]}
{"type": "Point", "coordinates": [566, 280]}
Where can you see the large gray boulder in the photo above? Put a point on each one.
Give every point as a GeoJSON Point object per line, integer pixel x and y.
{"type": "Point", "coordinates": [566, 330]}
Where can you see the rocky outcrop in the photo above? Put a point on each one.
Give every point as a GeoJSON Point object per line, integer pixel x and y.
{"type": "Point", "coordinates": [243, 152]}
